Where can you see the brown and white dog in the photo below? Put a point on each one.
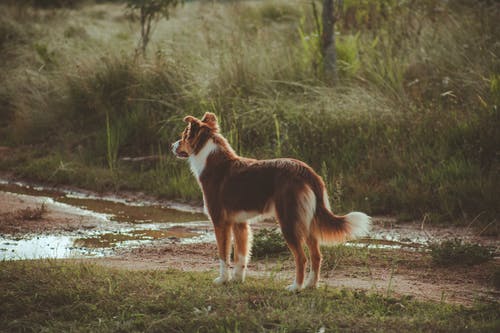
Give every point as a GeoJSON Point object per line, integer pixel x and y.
{"type": "Point", "coordinates": [238, 190]}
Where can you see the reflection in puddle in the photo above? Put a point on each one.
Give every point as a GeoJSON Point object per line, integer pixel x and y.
{"type": "Point", "coordinates": [387, 244]}
{"type": "Point", "coordinates": [44, 246]}
{"type": "Point", "coordinates": [108, 240]}
{"type": "Point", "coordinates": [91, 243]}
{"type": "Point", "coordinates": [124, 212]}
{"type": "Point", "coordinates": [117, 209]}
{"type": "Point", "coordinates": [119, 224]}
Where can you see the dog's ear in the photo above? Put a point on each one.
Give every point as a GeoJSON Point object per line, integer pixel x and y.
{"type": "Point", "coordinates": [191, 119]}
{"type": "Point", "coordinates": [194, 124]}
{"type": "Point", "coordinates": [211, 120]}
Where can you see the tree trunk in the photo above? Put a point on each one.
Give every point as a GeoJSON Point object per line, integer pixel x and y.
{"type": "Point", "coordinates": [328, 41]}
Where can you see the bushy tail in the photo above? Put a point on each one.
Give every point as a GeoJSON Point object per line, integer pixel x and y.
{"type": "Point", "coordinates": [335, 229]}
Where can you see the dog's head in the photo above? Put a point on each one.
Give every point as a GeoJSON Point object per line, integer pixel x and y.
{"type": "Point", "coordinates": [195, 135]}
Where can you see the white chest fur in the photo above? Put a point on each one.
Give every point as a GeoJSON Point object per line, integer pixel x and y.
{"type": "Point", "coordinates": [198, 162]}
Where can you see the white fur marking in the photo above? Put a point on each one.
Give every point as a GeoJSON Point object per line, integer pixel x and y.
{"type": "Point", "coordinates": [311, 281]}
{"type": "Point", "coordinates": [359, 223]}
{"type": "Point", "coordinates": [246, 216]}
{"type": "Point", "coordinates": [224, 274]}
{"type": "Point", "coordinates": [240, 268]}
{"type": "Point", "coordinates": [175, 146]}
{"type": "Point", "coordinates": [198, 161]}
{"type": "Point", "coordinates": [326, 201]}
{"type": "Point", "coordinates": [254, 216]}
{"type": "Point", "coordinates": [294, 287]}
{"type": "Point", "coordinates": [307, 206]}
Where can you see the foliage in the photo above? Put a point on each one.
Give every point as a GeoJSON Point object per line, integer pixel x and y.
{"type": "Point", "coordinates": [409, 130]}
{"type": "Point", "coordinates": [495, 278]}
{"type": "Point", "coordinates": [268, 242]}
{"type": "Point", "coordinates": [149, 12]}
{"type": "Point", "coordinates": [31, 214]}
{"type": "Point", "coordinates": [456, 252]}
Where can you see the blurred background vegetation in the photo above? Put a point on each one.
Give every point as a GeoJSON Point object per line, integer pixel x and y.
{"type": "Point", "coordinates": [410, 128]}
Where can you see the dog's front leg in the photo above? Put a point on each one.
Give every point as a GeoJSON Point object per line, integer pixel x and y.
{"type": "Point", "coordinates": [223, 236]}
{"type": "Point", "coordinates": [242, 249]}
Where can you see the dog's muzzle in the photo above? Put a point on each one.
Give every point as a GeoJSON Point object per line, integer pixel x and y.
{"type": "Point", "coordinates": [181, 154]}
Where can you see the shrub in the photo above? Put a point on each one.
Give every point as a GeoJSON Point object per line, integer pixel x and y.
{"type": "Point", "coordinates": [456, 252]}
{"type": "Point", "coordinates": [278, 12]}
{"type": "Point", "coordinates": [31, 214]}
{"type": "Point", "coordinates": [268, 242]}
{"type": "Point", "coordinates": [129, 99]}
{"type": "Point", "coordinates": [495, 278]}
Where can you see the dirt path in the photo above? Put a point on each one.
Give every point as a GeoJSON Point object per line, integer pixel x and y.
{"type": "Point", "coordinates": [18, 215]}
{"type": "Point", "coordinates": [402, 271]}
{"type": "Point", "coordinates": [413, 275]}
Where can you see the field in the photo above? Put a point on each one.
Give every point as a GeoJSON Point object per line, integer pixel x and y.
{"type": "Point", "coordinates": [59, 296]}
{"type": "Point", "coordinates": [408, 132]}
{"type": "Point", "coordinates": [410, 128]}
{"type": "Point", "coordinates": [416, 278]}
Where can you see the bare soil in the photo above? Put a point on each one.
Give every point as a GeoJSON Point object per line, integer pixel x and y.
{"type": "Point", "coordinates": [56, 217]}
{"type": "Point", "coordinates": [393, 272]}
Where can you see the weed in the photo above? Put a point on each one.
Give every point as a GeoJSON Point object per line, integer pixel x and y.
{"type": "Point", "coordinates": [31, 214]}
{"type": "Point", "coordinates": [495, 278]}
{"type": "Point", "coordinates": [112, 143]}
{"type": "Point", "coordinates": [348, 55]}
{"type": "Point", "coordinates": [47, 56]}
{"type": "Point", "coordinates": [268, 242]}
{"type": "Point", "coordinates": [87, 297]}
{"type": "Point", "coordinates": [278, 12]}
{"type": "Point", "coordinates": [456, 252]}
{"type": "Point", "coordinates": [76, 32]}
{"type": "Point", "coordinates": [410, 130]}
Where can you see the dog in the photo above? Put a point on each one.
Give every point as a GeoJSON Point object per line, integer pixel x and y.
{"type": "Point", "coordinates": [238, 191]}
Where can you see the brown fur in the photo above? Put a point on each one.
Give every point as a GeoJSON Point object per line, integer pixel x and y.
{"type": "Point", "coordinates": [236, 188]}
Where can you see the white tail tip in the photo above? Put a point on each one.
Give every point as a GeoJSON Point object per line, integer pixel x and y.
{"type": "Point", "coordinates": [359, 223]}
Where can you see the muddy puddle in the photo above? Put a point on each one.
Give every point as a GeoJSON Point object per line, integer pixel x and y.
{"type": "Point", "coordinates": [95, 226]}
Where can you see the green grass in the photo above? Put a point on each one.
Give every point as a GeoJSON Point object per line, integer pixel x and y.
{"type": "Point", "coordinates": [457, 252]}
{"type": "Point", "coordinates": [409, 130]}
{"type": "Point", "coordinates": [56, 296]}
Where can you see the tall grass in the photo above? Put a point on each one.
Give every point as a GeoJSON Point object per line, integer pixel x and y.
{"type": "Point", "coordinates": [409, 130]}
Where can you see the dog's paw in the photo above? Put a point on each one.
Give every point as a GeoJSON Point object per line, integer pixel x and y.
{"type": "Point", "coordinates": [221, 280]}
{"type": "Point", "coordinates": [239, 275]}
{"type": "Point", "coordinates": [294, 287]}
{"type": "Point", "coordinates": [311, 283]}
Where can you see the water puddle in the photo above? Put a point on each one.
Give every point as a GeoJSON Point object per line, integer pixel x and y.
{"type": "Point", "coordinates": [385, 243]}
{"type": "Point", "coordinates": [116, 223]}
{"type": "Point", "coordinates": [120, 223]}
{"type": "Point", "coordinates": [98, 243]}
{"type": "Point", "coordinates": [118, 209]}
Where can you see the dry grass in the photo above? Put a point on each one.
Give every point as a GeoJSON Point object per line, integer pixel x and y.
{"type": "Point", "coordinates": [409, 130]}
{"type": "Point", "coordinates": [31, 214]}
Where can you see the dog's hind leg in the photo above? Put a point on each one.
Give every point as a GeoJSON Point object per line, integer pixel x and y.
{"type": "Point", "coordinates": [295, 207]}
{"type": "Point", "coordinates": [300, 265]}
{"type": "Point", "coordinates": [315, 253]}
{"type": "Point", "coordinates": [223, 236]}
{"type": "Point", "coordinates": [292, 229]}
{"type": "Point", "coordinates": [242, 249]}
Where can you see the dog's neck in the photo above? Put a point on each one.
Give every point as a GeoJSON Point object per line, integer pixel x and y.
{"type": "Point", "coordinates": [215, 144]}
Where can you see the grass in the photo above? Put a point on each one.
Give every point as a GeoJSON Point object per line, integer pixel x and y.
{"type": "Point", "coordinates": [409, 130]}
{"type": "Point", "coordinates": [31, 214]}
{"type": "Point", "coordinates": [62, 296]}
{"type": "Point", "coordinates": [268, 243]}
{"type": "Point", "coordinates": [456, 252]}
